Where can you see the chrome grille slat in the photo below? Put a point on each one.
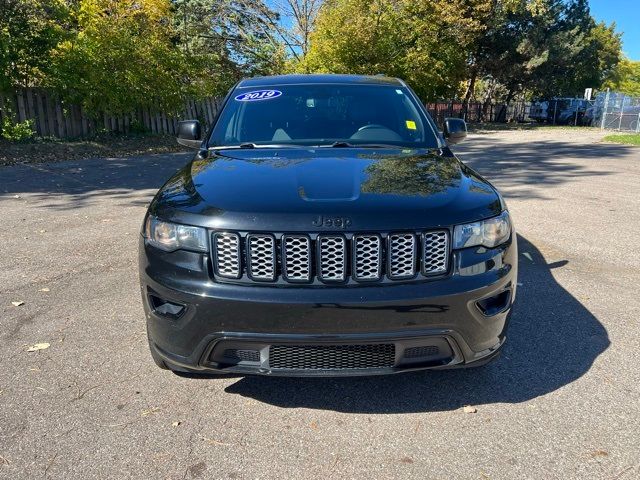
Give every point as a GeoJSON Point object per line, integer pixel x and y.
{"type": "Point", "coordinates": [402, 255]}
{"type": "Point", "coordinates": [332, 258]}
{"type": "Point", "coordinates": [367, 257]}
{"type": "Point", "coordinates": [435, 252]}
{"type": "Point", "coordinates": [296, 253]}
{"type": "Point", "coordinates": [227, 249]}
{"type": "Point", "coordinates": [261, 257]}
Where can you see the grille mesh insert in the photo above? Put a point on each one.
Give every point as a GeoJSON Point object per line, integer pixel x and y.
{"type": "Point", "coordinates": [227, 248]}
{"type": "Point", "coordinates": [435, 258]}
{"type": "Point", "coordinates": [331, 357]}
{"type": "Point", "coordinates": [367, 257]}
{"type": "Point", "coordinates": [333, 258]}
{"type": "Point", "coordinates": [402, 255]}
{"type": "Point", "coordinates": [297, 258]}
{"type": "Point", "coordinates": [262, 257]}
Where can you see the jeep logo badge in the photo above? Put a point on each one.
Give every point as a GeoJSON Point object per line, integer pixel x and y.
{"type": "Point", "coordinates": [331, 222]}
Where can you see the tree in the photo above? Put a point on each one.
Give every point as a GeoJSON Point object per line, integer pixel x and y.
{"type": "Point", "coordinates": [400, 38]}
{"type": "Point", "coordinates": [234, 38]}
{"type": "Point", "coordinates": [625, 78]}
{"type": "Point", "coordinates": [122, 57]}
{"type": "Point", "coordinates": [299, 17]}
{"type": "Point", "coordinates": [545, 48]}
{"type": "Point", "coordinates": [29, 29]}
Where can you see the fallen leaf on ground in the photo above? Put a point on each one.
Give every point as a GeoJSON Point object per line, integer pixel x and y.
{"type": "Point", "coordinates": [151, 411]}
{"type": "Point", "coordinates": [469, 409]}
{"type": "Point", "coordinates": [45, 289]}
{"type": "Point", "coordinates": [406, 460]}
{"type": "Point", "coordinates": [17, 303]}
{"type": "Point", "coordinates": [215, 442]}
{"type": "Point", "coordinates": [175, 424]}
{"type": "Point", "coordinates": [599, 453]}
{"type": "Point", "coordinates": [314, 425]}
{"type": "Point", "coordinates": [38, 346]}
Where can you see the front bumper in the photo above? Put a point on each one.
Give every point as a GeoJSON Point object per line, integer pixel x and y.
{"type": "Point", "coordinates": [275, 330]}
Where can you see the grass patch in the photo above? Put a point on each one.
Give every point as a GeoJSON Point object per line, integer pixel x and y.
{"type": "Point", "coordinates": [501, 127]}
{"type": "Point", "coordinates": [41, 150]}
{"type": "Point", "coordinates": [627, 139]}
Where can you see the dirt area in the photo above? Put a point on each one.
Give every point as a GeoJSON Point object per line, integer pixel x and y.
{"type": "Point", "coordinates": [50, 150]}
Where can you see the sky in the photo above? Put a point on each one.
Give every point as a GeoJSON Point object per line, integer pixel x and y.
{"type": "Point", "coordinates": [626, 14]}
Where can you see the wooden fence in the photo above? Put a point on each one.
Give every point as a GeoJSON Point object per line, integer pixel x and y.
{"type": "Point", "coordinates": [53, 118]}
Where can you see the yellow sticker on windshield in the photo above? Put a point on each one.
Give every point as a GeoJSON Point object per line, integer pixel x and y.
{"type": "Point", "coordinates": [411, 125]}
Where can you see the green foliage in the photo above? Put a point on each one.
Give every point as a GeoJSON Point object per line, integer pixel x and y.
{"type": "Point", "coordinates": [17, 132]}
{"type": "Point", "coordinates": [544, 47]}
{"type": "Point", "coordinates": [121, 57]}
{"type": "Point", "coordinates": [114, 56]}
{"type": "Point", "coordinates": [29, 29]}
{"type": "Point", "coordinates": [625, 78]}
{"type": "Point", "coordinates": [395, 37]}
{"type": "Point", "coordinates": [230, 39]}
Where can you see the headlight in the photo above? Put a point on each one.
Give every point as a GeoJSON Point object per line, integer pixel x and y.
{"type": "Point", "coordinates": [489, 233]}
{"type": "Point", "coordinates": [171, 236]}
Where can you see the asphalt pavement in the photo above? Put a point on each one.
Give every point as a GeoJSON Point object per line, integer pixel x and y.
{"type": "Point", "coordinates": [562, 402]}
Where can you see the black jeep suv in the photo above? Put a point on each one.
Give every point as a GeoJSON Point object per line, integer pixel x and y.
{"type": "Point", "coordinates": [324, 227]}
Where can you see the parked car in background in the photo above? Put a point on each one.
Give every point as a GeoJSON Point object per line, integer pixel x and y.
{"type": "Point", "coordinates": [566, 111]}
{"type": "Point", "coordinates": [538, 111]}
{"type": "Point", "coordinates": [589, 117]}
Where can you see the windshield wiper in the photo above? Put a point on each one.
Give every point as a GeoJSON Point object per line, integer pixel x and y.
{"type": "Point", "coordinates": [343, 144]}
{"type": "Point", "coordinates": [251, 145]}
{"type": "Point", "coordinates": [340, 144]}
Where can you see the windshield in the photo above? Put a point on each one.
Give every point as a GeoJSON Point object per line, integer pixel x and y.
{"type": "Point", "coordinates": [323, 115]}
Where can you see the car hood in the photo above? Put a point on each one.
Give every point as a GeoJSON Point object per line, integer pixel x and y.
{"type": "Point", "coordinates": [308, 189]}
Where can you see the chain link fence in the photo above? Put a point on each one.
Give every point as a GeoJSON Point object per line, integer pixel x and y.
{"type": "Point", "coordinates": [615, 111]}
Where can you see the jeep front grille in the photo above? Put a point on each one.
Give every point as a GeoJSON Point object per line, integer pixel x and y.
{"type": "Point", "coordinates": [435, 253]}
{"type": "Point", "coordinates": [296, 254]}
{"type": "Point", "coordinates": [329, 258]}
{"type": "Point", "coordinates": [332, 255]}
{"type": "Point", "coordinates": [402, 255]}
{"type": "Point", "coordinates": [367, 253]}
{"type": "Point", "coordinates": [226, 247]}
{"type": "Point", "coordinates": [261, 252]}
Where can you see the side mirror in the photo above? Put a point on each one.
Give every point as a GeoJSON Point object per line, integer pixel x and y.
{"type": "Point", "coordinates": [189, 133]}
{"type": "Point", "coordinates": [455, 130]}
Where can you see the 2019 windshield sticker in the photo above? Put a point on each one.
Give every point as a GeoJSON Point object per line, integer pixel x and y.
{"type": "Point", "coordinates": [257, 95]}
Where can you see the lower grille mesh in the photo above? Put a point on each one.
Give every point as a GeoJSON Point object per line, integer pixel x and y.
{"type": "Point", "coordinates": [242, 355]}
{"type": "Point", "coordinates": [417, 352]}
{"type": "Point", "coordinates": [331, 357]}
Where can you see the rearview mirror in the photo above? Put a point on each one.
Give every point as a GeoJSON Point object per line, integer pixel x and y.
{"type": "Point", "coordinates": [189, 133]}
{"type": "Point", "coordinates": [455, 130]}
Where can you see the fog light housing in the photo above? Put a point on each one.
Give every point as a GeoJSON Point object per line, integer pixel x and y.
{"type": "Point", "coordinates": [496, 304]}
{"type": "Point", "coordinates": [165, 308]}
